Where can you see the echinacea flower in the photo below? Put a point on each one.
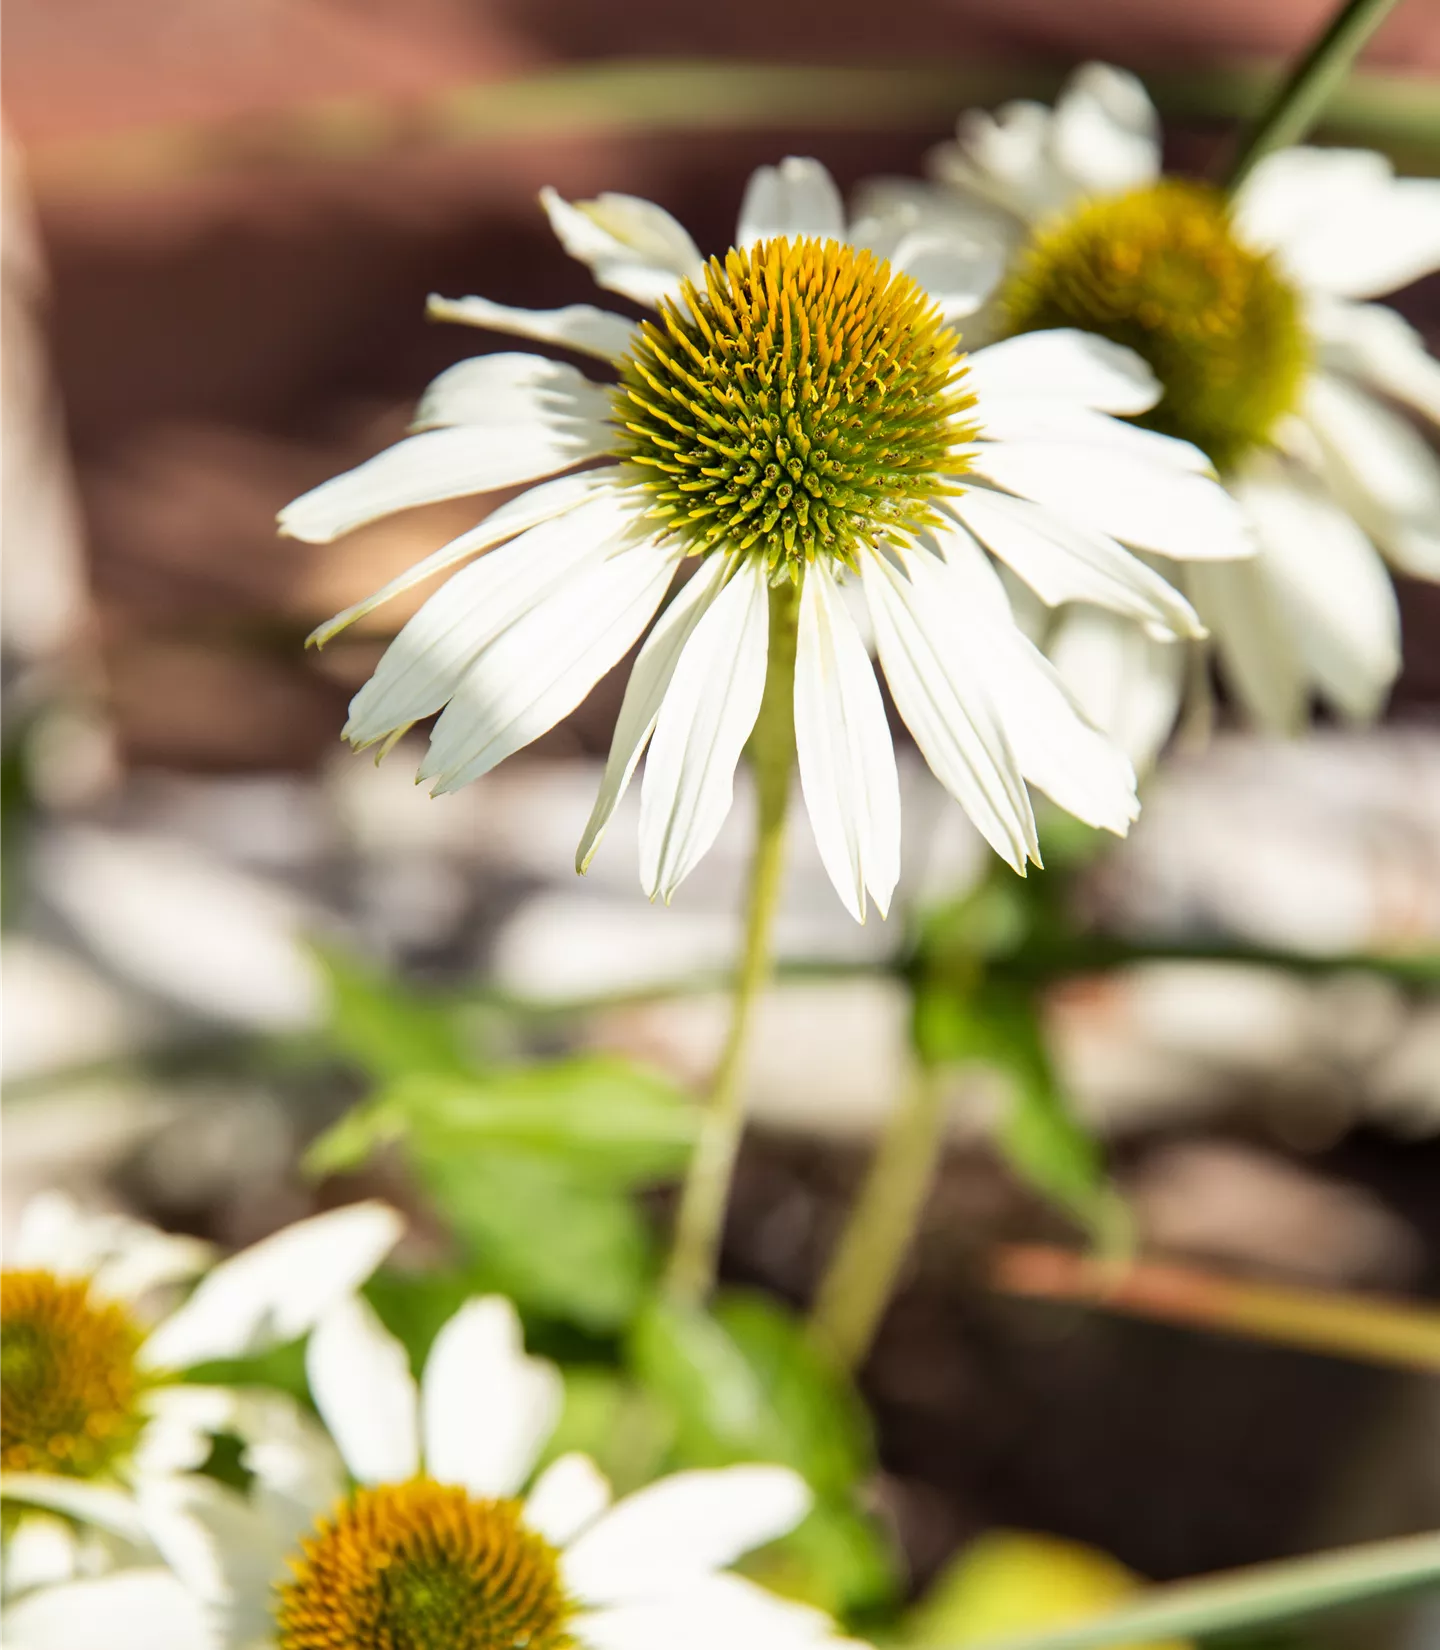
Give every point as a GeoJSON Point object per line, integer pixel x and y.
{"type": "Point", "coordinates": [440, 1545]}
{"type": "Point", "coordinates": [795, 419]}
{"type": "Point", "coordinates": [1255, 315]}
{"type": "Point", "coordinates": [96, 1421]}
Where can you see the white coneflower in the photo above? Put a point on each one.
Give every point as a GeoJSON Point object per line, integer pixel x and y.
{"type": "Point", "coordinates": [1253, 314]}
{"type": "Point", "coordinates": [441, 1545]}
{"type": "Point", "coordinates": [796, 417]}
{"type": "Point", "coordinates": [96, 1419]}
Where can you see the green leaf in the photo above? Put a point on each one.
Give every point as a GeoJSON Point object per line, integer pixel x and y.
{"type": "Point", "coordinates": [1250, 1598]}
{"type": "Point", "coordinates": [747, 1385]}
{"type": "Point", "coordinates": [615, 1122]}
{"type": "Point", "coordinates": [548, 1235]}
{"type": "Point", "coordinates": [1044, 1142]}
{"type": "Point", "coordinates": [387, 1029]}
{"type": "Point", "coordinates": [1008, 1581]}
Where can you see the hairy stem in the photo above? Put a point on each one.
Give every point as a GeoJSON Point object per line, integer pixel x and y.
{"type": "Point", "coordinates": [861, 1279]}
{"type": "Point", "coordinates": [1297, 103]}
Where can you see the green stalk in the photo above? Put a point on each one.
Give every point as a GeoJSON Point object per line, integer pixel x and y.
{"type": "Point", "coordinates": [1296, 105]}
{"type": "Point", "coordinates": [857, 1288]}
{"type": "Point", "coordinates": [701, 1220]}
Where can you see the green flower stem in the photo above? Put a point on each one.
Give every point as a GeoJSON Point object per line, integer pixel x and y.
{"type": "Point", "coordinates": [698, 1230]}
{"type": "Point", "coordinates": [1296, 105]}
{"type": "Point", "coordinates": [857, 1288]}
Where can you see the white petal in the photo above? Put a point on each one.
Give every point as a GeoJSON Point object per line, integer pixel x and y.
{"type": "Point", "coordinates": [570, 1494]}
{"type": "Point", "coordinates": [1065, 366]}
{"type": "Point", "coordinates": [945, 706]}
{"type": "Point", "coordinates": [1371, 342]}
{"type": "Point", "coordinates": [426, 662]}
{"type": "Point", "coordinates": [40, 1551]}
{"type": "Point", "coordinates": [580, 327]}
{"type": "Point", "coordinates": [297, 1470]}
{"type": "Point", "coordinates": [716, 1613]}
{"type": "Point", "coordinates": [680, 1529]}
{"type": "Point", "coordinates": [486, 1408]}
{"type": "Point", "coordinates": [1035, 418]}
{"type": "Point", "coordinates": [107, 1508]}
{"type": "Point", "coordinates": [1007, 158]}
{"type": "Point", "coordinates": [1341, 222]}
{"type": "Point", "coordinates": [143, 1609]}
{"type": "Point", "coordinates": [958, 273]}
{"type": "Point", "coordinates": [535, 505]}
{"type": "Point", "coordinates": [361, 1382]}
{"type": "Point", "coordinates": [123, 1258]}
{"type": "Point", "coordinates": [1126, 683]}
{"type": "Point", "coordinates": [644, 693]}
{"type": "Point", "coordinates": [707, 714]}
{"type": "Point", "coordinates": [1332, 587]}
{"type": "Point", "coordinates": [1106, 133]}
{"type": "Point", "coordinates": [1073, 763]}
{"type": "Point", "coordinates": [183, 1423]}
{"type": "Point", "coordinates": [1063, 563]}
{"type": "Point", "coordinates": [1151, 506]}
{"type": "Point", "coordinates": [631, 245]}
{"type": "Point", "coordinates": [498, 391]}
{"type": "Point", "coordinates": [53, 1234]}
{"type": "Point", "coordinates": [1381, 469]}
{"type": "Point", "coordinates": [1252, 641]}
{"type": "Point", "coordinates": [440, 464]}
{"type": "Point", "coordinates": [537, 670]}
{"type": "Point", "coordinates": [797, 198]}
{"type": "Point", "coordinates": [847, 762]}
{"type": "Point", "coordinates": [277, 1289]}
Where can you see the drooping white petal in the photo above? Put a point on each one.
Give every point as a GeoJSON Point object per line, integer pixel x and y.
{"type": "Point", "coordinates": [297, 1472]}
{"type": "Point", "coordinates": [1063, 563]}
{"type": "Point", "coordinates": [541, 503]}
{"type": "Point", "coordinates": [486, 1408]}
{"type": "Point", "coordinates": [361, 1382]}
{"type": "Point", "coordinates": [846, 759]}
{"type": "Point", "coordinates": [102, 1505]}
{"type": "Point", "coordinates": [944, 703]}
{"type": "Point", "coordinates": [537, 670]}
{"type": "Point", "coordinates": [1341, 222]}
{"type": "Point", "coordinates": [140, 1609]}
{"type": "Point", "coordinates": [1374, 344]}
{"type": "Point", "coordinates": [796, 198]}
{"type": "Point", "coordinates": [1253, 642]}
{"type": "Point", "coordinates": [277, 1289]}
{"type": "Point", "coordinates": [183, 1422]}
{"type": "Point", "coordinates": [631, 245]}
{"type": "Point", "coordinates": [1065, 366]}
{"type": "Point", "coordinates": [426, 662]}
{"type": "Point", "coordinates": [705, 718]}
{"type": "Point", "coordinates": [1331, 586]}
{"type": "Point", "coordinates": [502, 390]}
{"type": "Point", "coordinates": [680, 1529]}
{"type": "Point", "coordinates": [715, 1612]}
{"type": "Point", "coordinates": [1072, 762]}
{"type": "Point", "coordinates": [40, 1551]}
{"type": "Point", "coordinates": [581, 327]}
{"type": "Point", "coordinates": [1381, 469]}
{"type": "Point", "coordinates": [1107, 487]}
{"type": "Point", "coordinates": [1128, 684]}
{"type": "Point", "coordinates": [1039, 418]}
{"type": "Point", "coordinates": [958, 273]}
{"type": "Point", "coordinates": [570, 1494]}
{"type": "Point", "coordinates": [1106, 133]}
{"type": "Point", "coordinates": [644, 694]}
{"type": "Point", "coordinates": [440, 464]}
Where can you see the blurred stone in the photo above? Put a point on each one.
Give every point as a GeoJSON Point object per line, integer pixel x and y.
{"type": "Point", "coordinates": [1223, 1201]}
{"type": "Point", "coordinates": [60, 1012]}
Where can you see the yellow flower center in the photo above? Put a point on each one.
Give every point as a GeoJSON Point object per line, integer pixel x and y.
{"type": "Point", "coordinates": [801, 400]}
{"type": "Point", "coordinates": [424, 1566]}
{"type": "Point", "coordinates": [1161, 271]}
{"type": "Point", "coordinates": [69, 1387]}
